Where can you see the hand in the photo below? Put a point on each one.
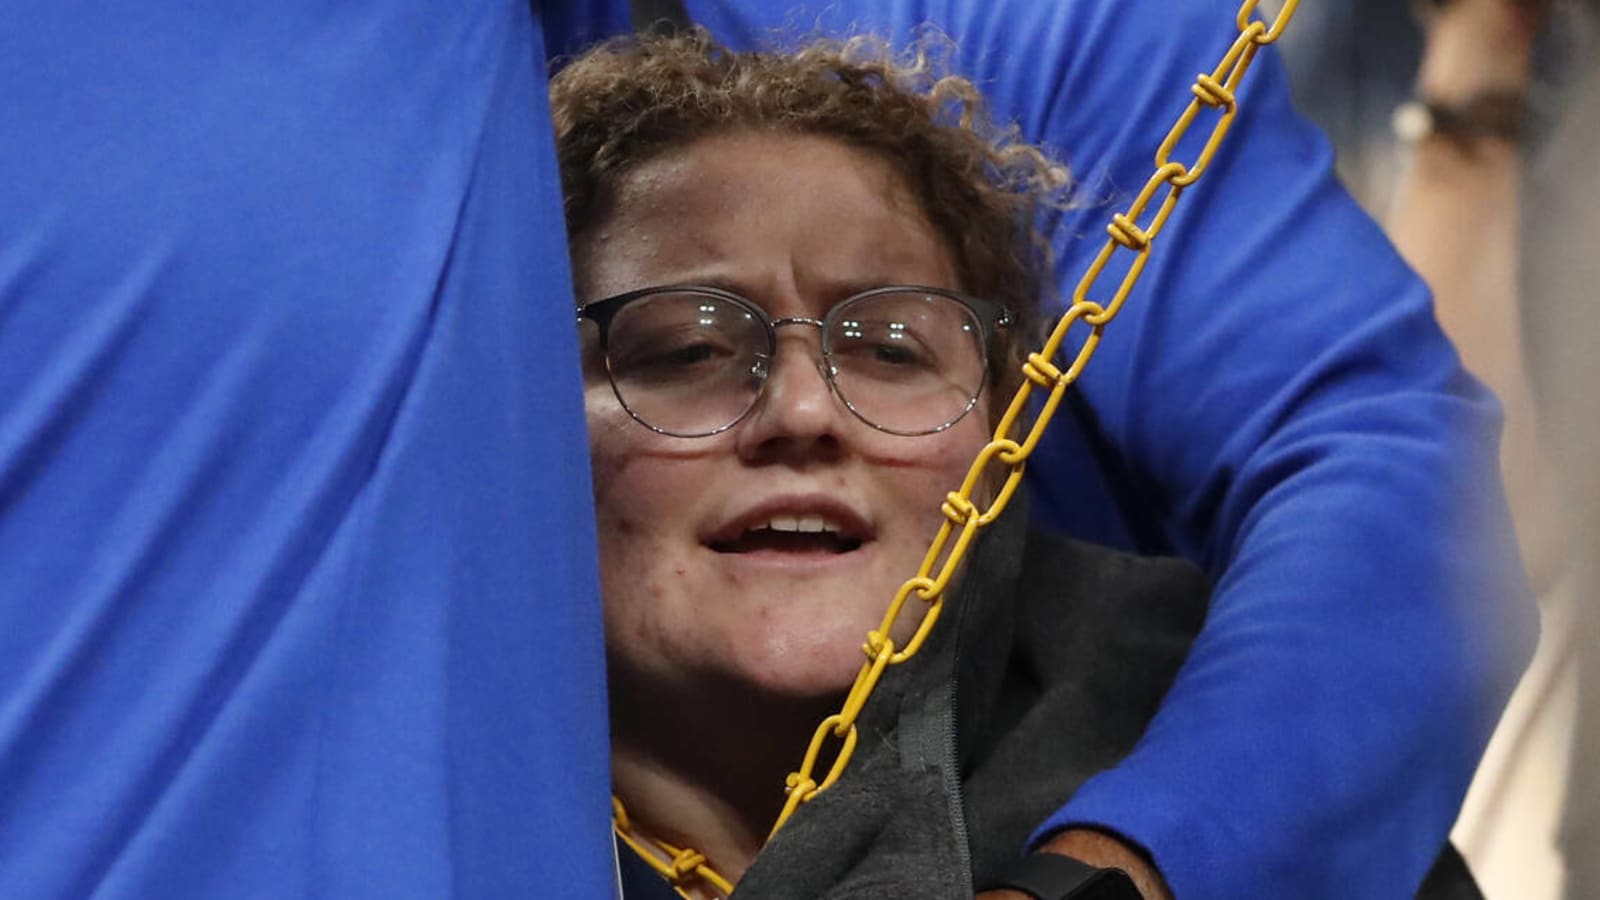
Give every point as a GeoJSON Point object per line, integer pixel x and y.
{"type": "Point", "coordinates": [1099, 848]}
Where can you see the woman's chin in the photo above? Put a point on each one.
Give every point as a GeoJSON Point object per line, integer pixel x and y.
{"type": "Point", "coordinates": [803, 666]}
{"type": "Point", "coordinates": [803, 687]}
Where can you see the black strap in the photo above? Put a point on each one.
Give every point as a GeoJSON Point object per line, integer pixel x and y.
{"type": "Point", "coordinates": [660, 16]}
{"type": "Point", "coordinates": [1052, 876]}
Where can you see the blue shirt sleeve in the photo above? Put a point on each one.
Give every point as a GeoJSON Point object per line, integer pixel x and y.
{"type": "Point", "coordinates": [1277, 403]}
{"type": "Point", "coordinates": [297, 594]}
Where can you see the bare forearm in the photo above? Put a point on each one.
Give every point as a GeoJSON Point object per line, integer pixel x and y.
{"type": "Point", "coordinates": [1455, 218]}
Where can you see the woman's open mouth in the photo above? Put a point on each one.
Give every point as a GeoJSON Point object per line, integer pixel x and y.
{"type": "Point", "coordinates": [791, 534]}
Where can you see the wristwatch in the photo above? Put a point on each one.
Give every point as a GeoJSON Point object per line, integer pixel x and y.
{"type": "Point", "coordinates": [1053, 876]}
{"type": "Point", "coordinates": [1490, 114]}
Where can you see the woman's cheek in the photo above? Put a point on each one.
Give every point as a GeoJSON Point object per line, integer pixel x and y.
{"type": "Point", "coordinates": [643, 505]}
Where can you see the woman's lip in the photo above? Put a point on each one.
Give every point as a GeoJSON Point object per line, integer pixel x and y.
{"type": "Point", "coordinates": [790, 562]}
{"type": "Point", "coordinates": [852, 524]}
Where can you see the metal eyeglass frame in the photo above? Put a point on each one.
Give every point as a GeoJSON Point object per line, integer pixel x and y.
{"type": "Point", "coordinates": [992, 318]}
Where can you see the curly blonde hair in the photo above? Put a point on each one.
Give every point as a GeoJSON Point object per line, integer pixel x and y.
{"type": "Point", "coordinates": [630, 99]}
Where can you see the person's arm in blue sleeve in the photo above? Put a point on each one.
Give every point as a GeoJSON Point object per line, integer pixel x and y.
{"type": "Point", "coordinates": [1277, 402]}
{"type": "Point", "coordinates": [1281, 394]}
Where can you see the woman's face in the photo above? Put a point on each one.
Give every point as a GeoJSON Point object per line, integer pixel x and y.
{"type": "Point", "coordinates": [697, 585]}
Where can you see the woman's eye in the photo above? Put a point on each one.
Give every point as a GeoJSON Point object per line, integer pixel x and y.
{"type": "Point", "coordinates": [673, 359]}
{"type": "Point", "coordinates": [888, 350]}
{"type": "Point", "coordinates": [895, 355]}
{"type": "Point", "coordinates": [689, 355]}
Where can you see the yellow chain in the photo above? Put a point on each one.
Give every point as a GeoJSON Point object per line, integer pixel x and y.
{"type": "Point", "coordinates": [683, 864]}
{"type": "Point", "coordinates": [1215, 90]}
{"type": "Point", "coordinates": [963, 519]}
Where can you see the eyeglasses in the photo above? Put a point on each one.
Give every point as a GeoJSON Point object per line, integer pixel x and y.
{"type": "Point", "coordinates": [692, 361]}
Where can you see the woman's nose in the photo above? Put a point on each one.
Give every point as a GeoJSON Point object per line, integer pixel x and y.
{"type": "Point", "coordinates": [798, 411]}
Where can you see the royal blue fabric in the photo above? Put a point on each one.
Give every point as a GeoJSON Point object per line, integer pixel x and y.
{"type": "Point", "coordinates": [297, 591]}
{"type": "Point", "coordinates": [296, 561]}
{"type": "Point", "coordinates": [1278, 404]}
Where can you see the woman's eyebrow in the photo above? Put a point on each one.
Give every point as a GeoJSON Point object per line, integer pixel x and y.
{"type": "Point", "coordinates": [829, 290]}
{"type": "Point", "coordinates": [726, 283]}
{"type": "Point", "coordinates": [717, 275]}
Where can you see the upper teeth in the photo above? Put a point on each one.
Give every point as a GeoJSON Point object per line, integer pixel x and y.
{"type": "Point", "coordinates": [804, 524]}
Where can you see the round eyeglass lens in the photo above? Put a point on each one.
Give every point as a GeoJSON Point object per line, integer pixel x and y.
{"type": "Point", "coordinates": [908, 362]}
{"type": "Point", "coordinates": [686, 363]}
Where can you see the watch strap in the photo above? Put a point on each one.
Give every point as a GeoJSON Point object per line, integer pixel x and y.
{"type": "Point", "coordinates": [1490, 114]}
{"type": "Point", "coordinates": [1054, 876]}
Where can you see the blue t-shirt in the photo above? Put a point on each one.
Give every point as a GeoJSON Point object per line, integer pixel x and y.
{"type": "Point", "coordinates": [297, 588]}
{"type": "Point", "coordinates": [296, 557]}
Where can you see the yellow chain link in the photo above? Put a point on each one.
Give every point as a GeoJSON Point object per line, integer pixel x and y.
{"type": "Point", "coordinates": [683, 865]}
{"type": "Point", "coordinates": [1216, 90]}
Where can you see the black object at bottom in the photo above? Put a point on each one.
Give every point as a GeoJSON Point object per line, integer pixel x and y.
{"type": "Point", "coordinates": [1052, 876]}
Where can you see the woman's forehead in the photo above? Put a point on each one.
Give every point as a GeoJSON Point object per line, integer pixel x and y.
{"type": "Point", "coordinates": [722, 169]}
{"type": "Point", "coordinates": [735, 209]}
